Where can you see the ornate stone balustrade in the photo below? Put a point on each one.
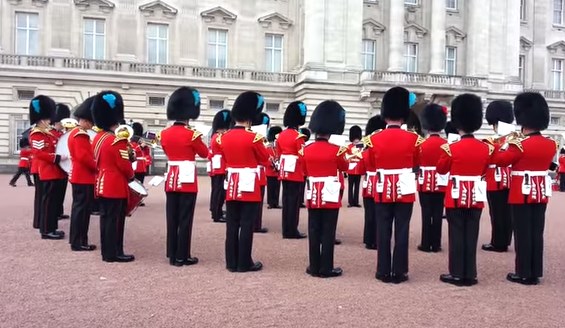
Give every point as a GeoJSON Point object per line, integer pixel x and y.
{"type": "Point", "coordinates": [550, 94]}
{"type": "Point", "coordinates": [425, 79]}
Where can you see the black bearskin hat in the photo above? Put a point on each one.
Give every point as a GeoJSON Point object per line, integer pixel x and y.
{"type": "Point", "coordinates": [84, 110]}
{"type": "Point", "coordinates": [137, 129]}
{"type": "Point", "coordinates": [562, 151]}
{"type": "Point", "coordinates": [295, 114]}
{"type": "Point", "coordinates": [467, 112]}
{"type": "Point", "coordinates": [355, 132]}
{"type": "Point", "coordinates": [184, 104]}
{"type": "Point", "coordinates": [221, 121]}
{"type": "Point", "coordinates": [41, 108]}
{"type": "Point", "coordinates": [247, 106]}
{"type": "Point", "coordinates": [107, 109]}
{"type": "Point", "coordinates": [273, 132]}
{"type": "Point", "coordinates": [24, 142]}
{"type": "Point", "coordinates": [261, 119]}
{"type": "Point", "coordinates": [499, 111]}
{"type": "Point", "coordinates": [396, 104]}
{"type": "Point", "coordinates": [62, 111]}
{"type": "Point", "coordinates": [375, 123]}
{"type": "Point", "coordinates": [531, 111]}
{"type": "Point", "coordinates": [434, 117]}
{"type": "Point", "coordinates": [449, 129]}
{"type": "Point", "coordinates": [328, 118]}
{"type": "Point", "coordinates": [306, 132]}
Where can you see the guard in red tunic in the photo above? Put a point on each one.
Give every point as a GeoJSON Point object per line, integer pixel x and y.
{"type": "Point", "coordinates": [139, 147]}
{"type": "Point", "coordinates": [62, 112]}
{"type": "Point", "coordinates": [23, 164]}
{"type": "Point", "coordinates": [530, 184]}
{"type": "Point", "coordinates": [431, 185]}
{"type": "Point", "coordinates": [34, 170]}
{"type": "Point", "coordinates": [290, 146]}
{"type": "Point", "coordinates": [262, 119]}
{"type": "Point", "coordinates": [41, 111]}
{"type": "Point", "coordinates": [273, 183]}
{"type": "Point", "coordinates": [498, 182]}
{"type": "Point", "coordinates": [243, 151]}
{"type": "Point", "coordinates": [562, 170]}
{"type": "Point", "coordinates": [82, 177]}
{"type": "Point", "coordinates": [305, 132]}
{"type": "Point", "coordinates": [324, 163]}
{"type": "Point", "coordinates": [181, 144]}
{"type": "Point", "coordinates": [113, 156]}
{"type": "Point", "coordinates": [220, 125]}
{"type": "Point", "coordinates": [394, 153]}
{"type": "Point", "coordinates": [354, 171]}
{"type": "Point", "coordinates": [466, 161]}
{"type": "Point", "coordinates": [374, 125]}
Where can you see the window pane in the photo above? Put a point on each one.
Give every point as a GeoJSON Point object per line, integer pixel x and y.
{"type": "Point", "coordinates": [99, 47]}
{"type": "Point", "coordinates": [21, 42]}
{"type": "Point", "coordinates": [163, 52]}
{"type": "Point", "coordinates": [268, 60]}
{"type": "Point", "coordinates": [278, 61]}
{"type": "Point", "coordinates": [152, 51]}
{"type": "Point", "coordinates": [557, 4]}
{"type": "Point", "coordinates": [33, 43]}
{"type": "Point", "coordinates": [88, 26]}
{"type": "Point", "coordinates": [21, 20]}
{"type": "Point", "coordinates": [223, 37]}
{"type": "Point", "coordinates": [88, 46]}
{"type": "Point", "coordinates": [33, 18]}
{"type": "Point", "coordinates": [222, 56]}
{"type": "Point", "coordinates": [100, 26]}
{"type": "Point", "coordinates": [151, 31]}
{"type": "Point", "coordinates": [278, 41]}
{"type": "Point", "coordinates": [163, 31]}
{"type": "Point", "coordinates": [212, 36]}
{"type": "Point", "coordinates": [211, 55]}
{"type": "Point", "coordinates": [269, 40]}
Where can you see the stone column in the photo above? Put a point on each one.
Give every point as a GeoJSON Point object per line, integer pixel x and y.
{"type": "Point", "coordinates": [437, 38]}
{"type": "Point", "coordinates": [540, 20]}
{"type": "Point", "coordinates": [314, 24]}
{"type": "Point", "coordinates": [478, 18]}
{"type": "Point", "coordinates": [396, 36]}
{"type": "Point", "coordinates": [512, 40]}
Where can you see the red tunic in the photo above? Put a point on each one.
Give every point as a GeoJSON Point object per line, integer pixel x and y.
{"type": "Point", "coordinates": [323, 164]}
{"type": "Point", "coordinates": [25, 157]}
{"type": "Point", "coordinates": [498, 178]}
{"type": "Point", "coordinates": [466, 161]}
{"type": "Point", "coordinates": [43, 145]}
{"type": "Point", "coordinates": [354, 168]}
{"type": "Point", "coordinates": [181, 144]}
{"type": "Point", "coordinates": [561, 164]}
{"type": "Point", "coordinates": [141, 166]}
{"type": "Point", "coordinates": [430, 151]}
{"type": "Point", "coordinates": [271, 169]}
{"type": "Point", "coordinates": [394, 153]}
{"type": "Point", "coordinates": [290, 147]}
{"type": "Point", "coordinates": [368, 186]}
{"type": "Point", "coordinates": [83, 170]}
{"type": "Point", "coordinates": [243, 151]}
{"type": "Point", "coordinates": [531, 155]}
{"type": "Point", "coordinates": [148, 159]}
{"type": "Point", "coordinates": [217, 162]}
{"type": "Point", "coordinates": [113, 166]}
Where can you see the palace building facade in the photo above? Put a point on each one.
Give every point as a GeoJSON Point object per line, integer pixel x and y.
{"type": "Point", "coordinates": [310, 50]}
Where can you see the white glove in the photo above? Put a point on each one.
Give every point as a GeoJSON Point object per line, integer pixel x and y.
{"type": "Point", "coordinates": [63, 158]}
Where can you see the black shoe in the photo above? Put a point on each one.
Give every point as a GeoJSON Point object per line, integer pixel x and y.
{"type": "Point", "coordinates": [424, 249]}
{"type": "Point", "coordinates": [491, 248]}
{"type": "Point", "coordinates": [177, 263]}
{"type": "Point", "coordinates": [220, 220]}
{"type": "Point", "coordinates": [370, 246]}
{"type": "Point", "coordinates": [60, 233]}
{"type": "Point", "coordinates": [336, 272]}
{"type": "Point", "coordinates": [83, 248]}
{"type": "Point", "coordinates": [125, 258]}
{"type": "Point", "coordinates": [399, 278]}
{"type": "Point", "coordinates": [435, 249]}
{"type": "Point", "coordinates": [257, 266]}
{"type": "Point", "coordinates": [262, 230]}
{"type": "Point", "coordinates": [191, 261]}
{"type": "Point", "coordinates": [386, 278]}
{"type": "Point", "coordinates": [358, 205]}
{"type": "Point", "coordinates": [231, 269]}
{"type": "Point", "coordinates": [337, 242]}
{"type": "Point", "coordinates": [273, 207]}
{"type": "Point", "coordinates": [313, 274]}
{"type": "Point", "coordinates": [63, 217]}
{"type": "Point", "coordinates": [30, 185]}
{"type": "Point", "coordinates": [12, 184]}
{"type": "Point", "coordinates": [449, 279]}
{"type": "Point", "coordinates": [142, 204]}
{"type": "Point", "coordinates": [302, 206]}
{"type": "Point", "coordinates": [300, 235]}
{"type": "Point", "coordinates": [52, 235]}
{"type": "Point", "coordinates": [470, 282]}
{"type": "Point", "coordinates": [512, 277]}
{"type": "Point", "coordinates": [349, 205]}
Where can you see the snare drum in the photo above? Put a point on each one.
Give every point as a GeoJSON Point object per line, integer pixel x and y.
{"type": "Point", "coordinates": [62, 148]}
{"type": "Point", "coordinates": [137, 193]}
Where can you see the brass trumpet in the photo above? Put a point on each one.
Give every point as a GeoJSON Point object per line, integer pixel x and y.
{"type": "Point", "coordinates": [510, 136]}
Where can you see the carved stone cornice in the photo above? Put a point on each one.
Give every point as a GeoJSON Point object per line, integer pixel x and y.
{"type": "Point", "coordinates": [225, 15]}
{"type": "Point", "coordinates": [149, 9]}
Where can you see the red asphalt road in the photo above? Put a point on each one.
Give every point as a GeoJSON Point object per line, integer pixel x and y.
{"type": "Point", "coordinates": [44, 284]}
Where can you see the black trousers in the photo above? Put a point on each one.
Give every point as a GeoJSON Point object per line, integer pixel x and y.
{"type": "Point", "coordinates": [217, 197]}
{"type": "Point", "coordinates": [25, 172]}
{"type": "Point", "coordinates": [529, 224]}
{"type": "Point", "coordinates": [463, 235]}
{"type": "Point", "coordinates": [322, 225]}
{"type": "Point", "coordinates": [290, 208]}
{"type": "Point", "coordinates": [387, 215]}
{"type": "Point", "coordinates": [112, 224]}
{"type": "Point", "coordinates": [370, 226]}
{"type": "Point", "coordinates": [432, 214]}
{"type": "Point", "coordinates": [60, 190]}
{"type": "Point", "coordinates": [180, 217]}
{"type": "Point", "coordinates": [140, 176]}
{"type": "Point", "coordinates": [240, 217]}
{"type": "Point", "coordinates": [500, 218]}
{"type": "Point", "coordinates": [354, 182]}
{"type": "Point", "coordinates": [273, 191]}
{"type": "Point", "coordinates": [259, 221]}
{"type": "Point", "coordinates": [302, 191]}
{"type": "Point", "coordinates": [83, 195]}
{"type": "Point", "coordinates": [49, 217]}
{"type": "Point", "coordinates": [95, 205]}
{"type": "Point", "coordinates": [37, 200]}
{"type": "Point", "coordinates": [561, 181]}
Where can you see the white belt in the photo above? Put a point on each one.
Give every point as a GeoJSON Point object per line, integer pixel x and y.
{"type": "Point", "coordinates": [427, 168]}
{"type": "Point", "coordinates": [323, 179]}
{"type": "Point", "coordinates": [394, 171]}
{"type": "Point", "coordinates": [530, 173]}
{"type": "Point", "coordinates": [232, 170]}
{"type": "Point", "coordinates": [178, 163]}
{"type": "Point", "coordinates": [474, 178]}
{"type": "Point", "coordinates": [24, 158]}
{"type": "Point", "coordinates": [288, 156]}
{"type": "Point", "coordinates": [371, 174]}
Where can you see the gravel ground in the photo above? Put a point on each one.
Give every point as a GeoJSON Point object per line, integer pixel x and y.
{"type": "Point", "coordinates": [44, 284]}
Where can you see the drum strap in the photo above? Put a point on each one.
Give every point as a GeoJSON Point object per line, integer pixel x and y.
{"type": "Point", "coordinates": [98, 146]}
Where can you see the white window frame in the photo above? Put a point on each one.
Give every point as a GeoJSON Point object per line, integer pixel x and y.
{"type": "Point", "coordinates": [559, 11]}
{"type": "Point", "coordinates": [94, 35]}
{"type": "Point", "coordinates": [557, 74]}
{"type": "Point", "coordinates": [522, 68]}
{"type": "Point", "coordinates": [369, 56]}
{"type": "Point", "coordinates": [28, 31]}
{"type": "Point", "coordinates": [216, 108]}
{"type": "Point", "coordinates": [454, 7]}
{"type": "Point", "coordinates": [16, 135]}
{"type": "Point", "coordinates": [411, 2]}
{"type": "Point", "coordinates": [157, 38]}
{"type": "Point", "coordinates": [272, 107]}
{"type": "Point", "coordinates": [273, 49]}
{"type": "Point", "coordinates": [552, 120]}
{"type": "Point", "coordinates": [449, 60]}
{"type": "Point", "coordinates": [408, 55]}
{"type": "Point", "coordinates": [217, 45]}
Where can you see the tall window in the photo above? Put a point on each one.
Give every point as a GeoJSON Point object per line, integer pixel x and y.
{"type": "Point", "coordinates": [20, 127]}
{"type": "Point", "coordinates": [411, 57]}
{"type": "Point", "coordinates": [273, 52]}
{"type": "Point", "coordinates": [94, 38]}
{"type": "Point", "coordinates": [451, 4]}
{"type": "Point", "coordinates": [157, 43]}
{"type": "Point", "coordinates": [523, 10]}
{"type": "Point", "coordinates": [368, 54]}
{"type": "Point", "coordinates": [558, 12]}
{"type": "Point", "coordinates": [27, 34]}
{"type": "Point", "coordinates": [557, 74]}
{"type": "Point", "coordinates": [450, 60]}
{"type": "Point", "coordinates": [217, 48]}
{"type": "Point", "coordinates": [410, 2]}
{"type": "Point", "coordinates": [521, 68]}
